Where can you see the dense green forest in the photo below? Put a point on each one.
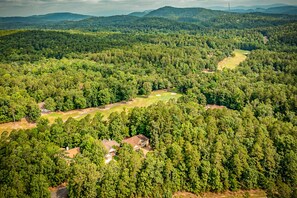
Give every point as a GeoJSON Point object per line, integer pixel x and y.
{"type": "Point", "coordinates": [250, 144]}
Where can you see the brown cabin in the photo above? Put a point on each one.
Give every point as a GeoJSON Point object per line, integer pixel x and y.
{"type": "Point", "coordinates": [137, 141]}
{"type": "Point", "coordinates": [71, 153]}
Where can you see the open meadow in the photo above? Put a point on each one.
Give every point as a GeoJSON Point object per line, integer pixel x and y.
{"type": "Point", "coordinates": [233, 61]}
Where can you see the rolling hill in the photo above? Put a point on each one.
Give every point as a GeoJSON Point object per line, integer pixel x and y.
{"type": "Point", "coordinates": [166, 18]}
{"type": "Point", "coordinates": [290, 10]}
{"type": "Point", "coordinates": [127, 23]}
{"type": "Point", "coordinates": [207, 18]}
{"type": "Point", "coordinates": [186, 14]}
{"type": "Point", "coordinates": [52, 17]}
{"type": "Point", "coordinates": [24, 22]}
{"type": "Point", "coordinates": [140, 14]}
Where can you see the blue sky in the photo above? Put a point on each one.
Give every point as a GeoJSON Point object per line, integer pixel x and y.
{"type": "Point", "coordinates": [112, 7]}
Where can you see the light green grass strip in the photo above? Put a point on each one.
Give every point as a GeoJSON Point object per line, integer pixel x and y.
{"type": "Point", "coordinates": [233, 62]}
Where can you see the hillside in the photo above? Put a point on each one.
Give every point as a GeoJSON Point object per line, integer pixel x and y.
{"type": "Point", "coordinates": [23, 22]}
{"type": "Point", "coordinates": [220, 19]}
{"type": "Point", "coordinates": [52, 17]}
{"type": "Point", "coordinates": [185, 14]}
{"type": "Point", "coordinates": [140, 14]}
{"type": "Point", "coordinates": [123, 23]}
{"type": "Point", "coordinates": [282, 10]}
{"type": "Point", "coordinates": [165, 19]}
{"type": "Point", "coordinates": [290, 10]}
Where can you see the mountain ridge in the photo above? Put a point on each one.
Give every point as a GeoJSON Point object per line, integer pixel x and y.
{"type": "Point", "coordinates": [51, 17]}
{"type": "Point", "coordinates": [273, 9]}
{"type": "Point", "coordinates": [168, 17]}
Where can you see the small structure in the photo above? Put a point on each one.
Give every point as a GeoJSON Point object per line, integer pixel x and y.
{"type": "Point", "coordinates": [71, 153]}
{"type": "Point", "coordinates": [208, 71]}
{"type": "Point", "coordinates": [137, 141]}
{"type": "Point", "coordinates": [42, 108]}
{"type": "Point", "coordinates": [213, 106]}
{"type": "Point", "coordinates": [59, 191]}
{"type": "Point", "coordinates": [110, 148]}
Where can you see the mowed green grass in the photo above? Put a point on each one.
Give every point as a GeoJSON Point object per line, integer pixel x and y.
{"type": "Point", "coordinates": [233, 62]}
{"type": "Point", "coordinates": [140, 101]}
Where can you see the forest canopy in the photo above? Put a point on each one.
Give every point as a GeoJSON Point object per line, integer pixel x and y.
{"type": "Point", "coordinates": [251, 143]}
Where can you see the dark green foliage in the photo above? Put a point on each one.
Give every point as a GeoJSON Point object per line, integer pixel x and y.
{"type": "Point", "coordinates": [33, 113]}
{"type": "Point", "coordinates": [57, 45]}
{"type": "Point", "coordinates": [147, 88]}
{"type": "Point", "coordinates": [104, 97]}
{"type": "Point", "coordinates": [116, 75]}
{"type": "Point", "coordinates": [50, 104]}
{"type": "Point", "coordinates": [28, 165]}
{"type": "Point", "coordinates": [83, 179]}
{"type": "Point", "coordinates": [195, 150]}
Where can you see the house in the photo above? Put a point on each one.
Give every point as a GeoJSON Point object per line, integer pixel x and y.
{"type": "Point", "coordinates": [42, 108]}
{"type": "Point", "coordinates": [137, 141]}
{"type": "Point", "coordinates": [213, 106]}
{"type": "Point", "coordinates": [71, 153]}
{"type": "Point", "coordinates": [110, 148]}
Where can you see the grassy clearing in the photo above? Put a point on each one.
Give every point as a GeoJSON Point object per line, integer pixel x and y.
{"type": "Point", "coordinates": [233, 62]}
{"type": "Point", "coordinates": [237, 194]}
{"type": "Point", "coordinates": [228, 194]}
{"type": "Point", "coordinates": [8, 32]}
{"type": "Point", "coordinates": [265, 39]}
{"type": "Point", "coordinates": [23, 124]}
{"type": "Point", "coordinates": [140, 101]}
{"type": "Point", "coordinates": [117, 107]}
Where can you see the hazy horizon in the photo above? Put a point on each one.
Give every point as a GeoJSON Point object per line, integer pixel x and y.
{"type": "Point", "coordinates": [113, 7]}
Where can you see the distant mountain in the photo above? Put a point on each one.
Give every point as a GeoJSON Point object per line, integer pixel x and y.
{"type": "Point", "coordinates": [127, 23]}
{"type": "Point", "coordinates": [246, 7]}
{"type": "Point", "coordinates": [37, 20]}
{"type": "Point", "coordinates": [64, 16]}
{"type": "Point", "coordinates": [259, 6]}
{"type": "Point", "coordinates": [207, 18]}
{"type": "Point", "coordinates": [40, 19]}
{"type": "Point", "coordinates": [282, 10]}
{"type": "Point", "coordinates": [166, 18]}
{"type": "Point", "coordinates": [290, 10]}
{"type": "Point", "coordinates": [140, 14]}
{"type": "Point", "coordinates": [186, 14]}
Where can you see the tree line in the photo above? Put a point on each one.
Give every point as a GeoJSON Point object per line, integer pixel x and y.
{"type": "Point", "coordinates": [194, 150]}
{"type": "Point", "coordinates": [82, 79]}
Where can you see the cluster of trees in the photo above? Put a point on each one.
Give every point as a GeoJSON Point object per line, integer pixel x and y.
{"type": "Point", "coordinates": [117, 74]}
{"type": "Point", "coordinates": [194, 150]}
{"type": "Point", "coordinates": [17, 104]}
{"type": "Point", "coordinates": [266, 79]}
{"type": "Point", "coordinates": [252, 144]}
{"type": "Point", "coordinates": [32, 45]}
{"type": "Point", "coordinates": [100, 74]}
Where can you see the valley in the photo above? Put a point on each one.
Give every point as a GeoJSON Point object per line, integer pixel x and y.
{"type": "Point", "coordinates": [142, 101]}
{"type": "Point", "coordinates": [211, 94]}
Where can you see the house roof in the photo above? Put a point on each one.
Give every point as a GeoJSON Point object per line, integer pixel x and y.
{"type": "Point", "coordinates": [108, 144]}
{"type": "Point", "coordinates": [135, 140]}
{"type": "Point", "coordinates": [209, 106]}
{"type": "Point", "coordinates": [71, 153]}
